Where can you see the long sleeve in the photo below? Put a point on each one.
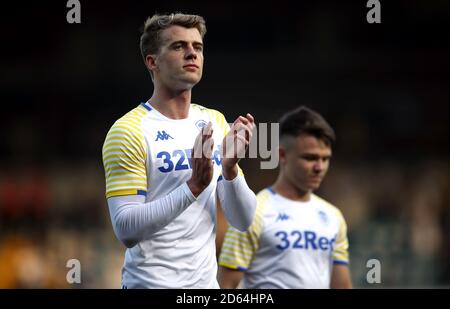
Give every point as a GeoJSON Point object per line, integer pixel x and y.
{"type": "Point", "coordinates": [134, 220]}
{"type": "Point", "coordinates": [238, 202]}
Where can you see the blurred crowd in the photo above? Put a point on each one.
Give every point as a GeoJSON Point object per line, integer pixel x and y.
{"type": "Point", "coordinates": [396, 214]}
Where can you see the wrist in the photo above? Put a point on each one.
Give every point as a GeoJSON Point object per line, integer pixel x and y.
{"type": "Point", "coordinates": [195, 188]}
{"type": "Point", "coordinates": [230, 173]}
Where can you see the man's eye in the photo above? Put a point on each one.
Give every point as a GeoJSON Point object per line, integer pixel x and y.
{"type": "Point", "coordinates": [199, 48]}
{"type": "Point", "coordinates": [177, 47]}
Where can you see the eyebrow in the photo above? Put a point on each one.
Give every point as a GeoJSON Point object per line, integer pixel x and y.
{"type": "Point", "coordinates": [313, 155]}
{"type": "Point", "coordinates": [184, 42]}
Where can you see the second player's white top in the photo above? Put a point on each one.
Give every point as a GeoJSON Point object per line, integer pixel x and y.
{"type": "Point", "coordinates": [290, 244]}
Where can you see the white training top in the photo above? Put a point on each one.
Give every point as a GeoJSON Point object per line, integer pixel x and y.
{"type": "Point", "coordinates": [148, 154]}
{"type": "Point", "coordinates": [290, 244]}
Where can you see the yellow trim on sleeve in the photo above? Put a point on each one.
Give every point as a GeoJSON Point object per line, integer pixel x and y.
{"type": "Point", "coordinates": [124, 155]}
{"type": "Point", "coordinates": [122, 193]}
{"type": "Point", "coordinates": [227, 265]}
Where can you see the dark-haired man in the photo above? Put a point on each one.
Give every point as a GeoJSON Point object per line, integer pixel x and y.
{"type": "Point", "coordinates": [297, 239]}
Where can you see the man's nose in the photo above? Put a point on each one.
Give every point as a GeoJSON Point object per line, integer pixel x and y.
{"type": "Point", "coordinates": [318, 166]}
{"type": "Point", "coordinates": [191, 53]}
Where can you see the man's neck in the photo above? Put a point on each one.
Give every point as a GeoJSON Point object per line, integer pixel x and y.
{"type": "Point", "coordinates": [285, 188]}
{"type": "Point", "coordinates": [172, 104]}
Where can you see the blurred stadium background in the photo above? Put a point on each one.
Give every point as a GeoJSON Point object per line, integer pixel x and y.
{"type": "Point", "coordinates": [384, 88]}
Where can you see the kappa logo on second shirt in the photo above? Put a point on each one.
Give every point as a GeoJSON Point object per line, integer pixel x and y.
{"type": "Point", "coordinates": [283, 217]}
{"type": "Point", "coordinates": [323, 217]}
{"type": "Point", "coordinates": [163, 136]}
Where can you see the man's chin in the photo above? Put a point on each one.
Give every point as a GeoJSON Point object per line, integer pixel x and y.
{"type": "Point", "coordinates": [186, 85]}
{"type": "Point", "coordinates": [314, 186]}
{"type": "Point", "coordinates": [192, 77]}
{"type": "Point", "coordinates": [189, 83]}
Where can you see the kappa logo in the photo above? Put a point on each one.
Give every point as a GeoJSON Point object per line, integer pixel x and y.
{"type": "Point", "coordinates": [163, 136]}
{"type": "Point", "coordinates": [323, 217]}
{"type": "Point", "coordinates": [282, 217]}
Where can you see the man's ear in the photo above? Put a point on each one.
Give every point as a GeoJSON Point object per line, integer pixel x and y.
{"type": "Point", "coordinates": [282, 154]}
{"type": "Point", "coordinates": [150, 62]}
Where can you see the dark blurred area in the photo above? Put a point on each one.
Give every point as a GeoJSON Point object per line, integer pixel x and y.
{"type": "Point", "coordinates": [385, 88]}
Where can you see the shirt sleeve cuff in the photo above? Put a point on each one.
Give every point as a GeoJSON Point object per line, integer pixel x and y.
{"type": "Point", "coordinates": [188, 192]}
{"type": "Point", "coordinates": [233, 181]}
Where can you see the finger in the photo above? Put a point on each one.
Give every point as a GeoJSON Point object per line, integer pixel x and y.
{"type": "Point", "coordinates": [242, 139]}
{"type": "Point", "coordinates": [240, 119]}
{"type": "Point", "coordinates": [240, 127]}
{"type": "Point", "coordinates": [243, 120]}
{"type": "Point", "coordinates": [236, 148]}
{"type": "Point", "coordinates": [250, 125]}
{"type": "Point", "coordinates": [250, 118]}
{"type": "Point", "coordinates": [207, 129]}
{"type": "Point", "coordinates": [240, 152]}
{"type": "Point", "coordinates": [199, 137]}
{"type": "Point", "coordinates": [206, 137]}
{"type": "Point", "coordinates": [245, 131]}
{"type": "Point", "coordinates": [198, 144]}
{"type": "Point", "coordinates": [208, 146]}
